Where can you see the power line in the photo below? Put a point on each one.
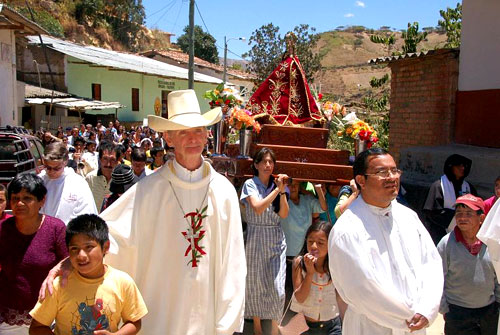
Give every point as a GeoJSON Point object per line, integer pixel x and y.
{"type": "Point", "coordinates": [162, 8]}
{"type": "Point", "coordinates": [178, 14]}
{"type": "Point", "coordinates": [218, 46]}
{"type": "Point", "coordinates": [201, 16]}
{"type": "Point", "coordinates": [171, 4]}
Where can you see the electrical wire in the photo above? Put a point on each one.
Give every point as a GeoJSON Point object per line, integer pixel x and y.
{"type": "Point", "coordinates": [218, 46]}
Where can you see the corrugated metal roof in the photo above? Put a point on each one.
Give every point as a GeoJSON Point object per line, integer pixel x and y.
{"type": "Point", "coordinates": [181, 57]}
{"type": "Point", "coordinates": [31, 91]}
{"type": "Point", "coordinates": [120, 60]}
{"type": "Point", "coordinates": [74, 103]}
{"type": "Point", "coordinates": [388, 59]}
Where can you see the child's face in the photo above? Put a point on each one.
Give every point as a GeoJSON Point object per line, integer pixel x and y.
{"type": "Point", "coordinates": [86, 256]}
{"type": "Point", "coordinates": [497, 189]}
{"type": "Point", "coordinates": [3, 201]}
{"type": "Point", "coordinates": [317, 244]}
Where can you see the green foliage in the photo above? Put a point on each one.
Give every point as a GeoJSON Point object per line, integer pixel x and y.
{"type": "Point", "coordinates": [388, 40]}
{"type": "Point", "coordinates": [452, 24]}
{"type": "Point", "coordinates": [306, 42]}
{"type": "Point", "coordinates": [204, 44]}
{"type": "Point", "coordinates": [45, 20]}
{"type": "Point", "coordinates": [378, 82]}
{"type": "Point", "coordinates": [268, 47]}
{"type": "Point", "coordinates": [412, 37]}
{"type": "Point", "coordinates": [124, 17]}
{"type": "Point", "coordinates": [237, 66]}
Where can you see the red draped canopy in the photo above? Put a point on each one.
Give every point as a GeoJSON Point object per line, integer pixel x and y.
{"type": "Point", "coordinates": [285, 95]}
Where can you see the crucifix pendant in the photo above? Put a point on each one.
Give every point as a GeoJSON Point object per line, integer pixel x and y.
{"type": "Point", "coordinates": [193, 235]}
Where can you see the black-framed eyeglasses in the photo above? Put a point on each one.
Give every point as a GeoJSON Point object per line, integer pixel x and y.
{"type": "Point", "coordinates": [384, 174]}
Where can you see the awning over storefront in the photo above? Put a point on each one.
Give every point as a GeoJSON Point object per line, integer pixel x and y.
{"type": "Point", "coordinates": [41, 96]}
{"type": "Point", "coordinates": [73, 103]}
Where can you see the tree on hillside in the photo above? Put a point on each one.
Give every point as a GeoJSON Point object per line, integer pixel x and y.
{"type": "Point", "coordinates": [387, 40]}
{"type": "Point", "coordinates": [123, 17]}
{"type": "Point", "coordinates": [412, 37]}
{"type": "Point", "coordinates": [452, 24]}
{"type": "Point", "coordinates": [204, 44]}
{"type": "Point", "coordinates": [268, 48]}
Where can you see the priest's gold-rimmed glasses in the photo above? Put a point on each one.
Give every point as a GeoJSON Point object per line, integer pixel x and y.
{"type": "Point", "coordinates": [384, 174]}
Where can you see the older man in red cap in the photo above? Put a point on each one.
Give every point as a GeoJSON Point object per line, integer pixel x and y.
{"type": "Point", "coordinates": [471, 291]}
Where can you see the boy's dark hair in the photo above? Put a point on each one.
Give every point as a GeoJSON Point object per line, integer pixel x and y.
{"type": "Point", "coordinates": [498, 179]}
{"type": "Point", "coordinates": [29, 182]}
{"type": "Point", "coordinates": [138, 155]}
{"type": "Point", "coordinates": [120, 151]}
{"type": "Point", "coordinates": [3, 189]}
{"type": "Point", "coordinates": [259, 156]}
{"type": "Point", "coordinates": [88, 224]}
{"type": "Point", "coordinates": [157, 143]}
{"type": "Point", "coordinates": [106, 146]}
{"type": "Point", "coordinates": [79, 139]}
{"type": "Point", "coordinates": [155, 150]}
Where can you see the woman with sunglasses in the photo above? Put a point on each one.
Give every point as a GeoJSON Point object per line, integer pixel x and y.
{"type": "Point", "coordinates": [68, 194]}
{"type": "Point", "coordinates": [30, 245]}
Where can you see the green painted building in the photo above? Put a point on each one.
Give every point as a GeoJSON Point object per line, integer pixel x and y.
{"type": "Point", "coordinates": [139, 83]}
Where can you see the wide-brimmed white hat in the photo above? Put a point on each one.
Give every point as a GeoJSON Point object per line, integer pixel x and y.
{"type": "Point", "coordinates": [184, 113]}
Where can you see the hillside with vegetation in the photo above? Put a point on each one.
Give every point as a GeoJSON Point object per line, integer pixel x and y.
{"type": "Point", "coordinates": [119, 25]}
{"type": "Point", "coordinates": [111, 24]}
{"type": "Point", "coordinates": [345, 71]}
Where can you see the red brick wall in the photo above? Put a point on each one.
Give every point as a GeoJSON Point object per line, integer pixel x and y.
{"type": "Point", "coordinates": [423, 100]}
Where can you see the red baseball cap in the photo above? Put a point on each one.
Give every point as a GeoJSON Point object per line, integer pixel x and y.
{"type": "Point", "coordinates": [471, 201]}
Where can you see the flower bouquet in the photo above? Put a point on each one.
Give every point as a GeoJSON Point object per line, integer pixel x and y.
{"type": "Point", "coordinates": [352, 129]}
{"type": "Point", "coordinates": [331, 109]}
{"type": "Point", "coordinates": [223, 96]}
{"type": "Point", "coordinates": [241, 119]}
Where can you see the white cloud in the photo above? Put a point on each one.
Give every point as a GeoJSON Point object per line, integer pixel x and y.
{"type": "Point", "coordinates": [360, 4]}
{"type": "Point", "coordinates": [349, 15]}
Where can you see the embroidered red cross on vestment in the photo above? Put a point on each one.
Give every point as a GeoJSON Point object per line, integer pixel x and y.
{"type": "Point", "coordinates": [193, 235]}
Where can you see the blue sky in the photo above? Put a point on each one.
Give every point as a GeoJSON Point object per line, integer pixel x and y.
{"type": "Point", "coordinates": [241, 18]}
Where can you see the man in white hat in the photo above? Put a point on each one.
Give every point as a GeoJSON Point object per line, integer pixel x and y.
{"type": "Point", "coordinates": [178, 233]}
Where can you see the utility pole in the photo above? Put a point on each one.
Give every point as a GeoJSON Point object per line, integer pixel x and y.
{"type": "Point", "coordinates": [225, 61]}
{"type": "Point", "coordinates": [191, 46]}
{"type": "Point", "coordinates": [224, 74]}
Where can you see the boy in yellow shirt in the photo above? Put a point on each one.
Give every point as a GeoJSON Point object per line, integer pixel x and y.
{"type": "Point", "coordinates": [96, 297]}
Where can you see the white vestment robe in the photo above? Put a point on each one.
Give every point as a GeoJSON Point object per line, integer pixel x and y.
{"type": "Point", "coordinates": [67, 196]}
{"type": "Point", "coordinates": [489, 233]}
{"type": "Point", "coordinates": [147, 232]}
{"type": "Point", "coordinates": [385, 267]}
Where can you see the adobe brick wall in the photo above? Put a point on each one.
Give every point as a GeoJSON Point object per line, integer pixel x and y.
{"type": "Point", "coordinates": [423, 95]}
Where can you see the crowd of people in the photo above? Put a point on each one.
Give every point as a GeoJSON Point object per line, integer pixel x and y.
{"type": "Point", "coordinates": [350, 260]}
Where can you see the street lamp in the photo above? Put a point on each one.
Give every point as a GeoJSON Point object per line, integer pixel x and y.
{"type": "Point", "coordinates": [225, 55]}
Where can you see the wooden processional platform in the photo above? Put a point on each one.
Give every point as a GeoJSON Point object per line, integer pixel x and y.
{"type": "Point", "coordinates": [300, 153]}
